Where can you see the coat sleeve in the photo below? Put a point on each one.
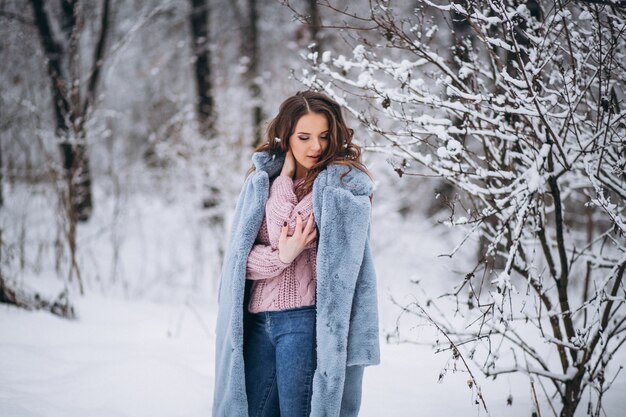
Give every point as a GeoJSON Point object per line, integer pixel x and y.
{"type": "Point", "coordinates": [234, 227]}
{"type": "Point", "coordinates": [363, 340]}
{"type": "Point", "coordinates": [351, 399]}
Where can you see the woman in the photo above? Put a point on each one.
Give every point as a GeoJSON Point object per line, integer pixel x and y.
{"type": "Point", "coordinates": [298, 318]}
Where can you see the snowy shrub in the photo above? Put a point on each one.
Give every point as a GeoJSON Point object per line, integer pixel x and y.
{"type": "Point", "coordinates": [520, 106]}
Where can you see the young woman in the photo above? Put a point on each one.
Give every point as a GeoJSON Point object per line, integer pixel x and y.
{"type": "Point", "coordinates": [298, 317]}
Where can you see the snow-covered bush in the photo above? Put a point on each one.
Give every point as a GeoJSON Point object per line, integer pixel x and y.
{"type": "Point", "coordinates": [520, 105]}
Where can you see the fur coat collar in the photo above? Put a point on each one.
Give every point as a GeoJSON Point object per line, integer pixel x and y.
{"type": "Point", "coordinates": [347, 311]}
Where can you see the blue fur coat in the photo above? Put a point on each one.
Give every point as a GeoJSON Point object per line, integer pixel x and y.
{"type": "Point", "coordinates": [347, 309]}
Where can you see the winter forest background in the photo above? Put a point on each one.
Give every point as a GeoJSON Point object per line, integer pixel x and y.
{"type": "Point", "coordinates": [496, 134]}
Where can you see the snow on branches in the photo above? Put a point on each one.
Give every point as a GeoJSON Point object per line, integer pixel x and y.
{"type": "Point", "coordinates": [521, 107]}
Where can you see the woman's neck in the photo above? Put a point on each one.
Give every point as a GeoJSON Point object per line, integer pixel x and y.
{"type": "Point", "coordinates": [300, 172]}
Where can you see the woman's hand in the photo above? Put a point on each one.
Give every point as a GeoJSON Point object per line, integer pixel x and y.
{"type": "Point", "coordinates": [289, 167]}
{"type": "Point", "coordinates": [289, 247]}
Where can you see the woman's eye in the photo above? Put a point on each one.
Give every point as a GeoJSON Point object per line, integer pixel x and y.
{"type": "Point", "coordinates": [324, 137]}
{"type": "Point", "coordinates": [303, 137]}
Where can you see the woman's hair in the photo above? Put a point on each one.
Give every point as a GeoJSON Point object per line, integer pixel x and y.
{"type": "Point", "coordinates": [340, 149]}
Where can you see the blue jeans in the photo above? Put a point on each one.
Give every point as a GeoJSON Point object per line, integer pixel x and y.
{"type": "Point", "coordinates": [280, 360]}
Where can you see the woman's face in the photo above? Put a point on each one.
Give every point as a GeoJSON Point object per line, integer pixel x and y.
{"type": "Point", "coordinates": [309, 141]}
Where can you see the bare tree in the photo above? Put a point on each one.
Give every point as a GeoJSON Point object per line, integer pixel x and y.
{"type": "Point", "coordinates": [538, 159]}
{"type": "Point", "coordinates": [252, 74]}
{"type": "Point", "coordinates": [205, 108]}
{"type": "Point", "coordinates": [311, 29]}
{"type": "Point", "coordinates": [1, 178]}
{"type": "Point", "coordinates": [71, 110]}
{"type": "Point", "coordinates": [314, 24]}
{"type": "Point", "coordinates": [250, 50]}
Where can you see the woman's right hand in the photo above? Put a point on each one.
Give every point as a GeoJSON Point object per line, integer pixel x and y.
{"type": "Point", "coordinates": [289, 247]}
{"type": "Point", "coordinates": [289, 167]}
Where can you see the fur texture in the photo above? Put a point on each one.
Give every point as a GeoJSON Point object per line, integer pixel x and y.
{"type": "Point", "coordinates": [347, 309]}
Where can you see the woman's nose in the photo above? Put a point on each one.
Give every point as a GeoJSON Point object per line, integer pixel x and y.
{"type": "Point", "coordinates": [316, 145]}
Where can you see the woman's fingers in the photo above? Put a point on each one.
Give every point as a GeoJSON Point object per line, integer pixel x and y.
{"type": "Point", "coordinates": [305, 234]}
{"type": "Point", "coordinates": [309, 224]}
{"type": "Point", "coordinates": [283, 232]}
{"type": "Point", "coordinates": [298, 230]}
{"type": "Point", "coordinates": [311, 237]}
{"type": "Point", "coordinates": [310, 232]}
{"type": "Point", "coordinates": [290, 247]}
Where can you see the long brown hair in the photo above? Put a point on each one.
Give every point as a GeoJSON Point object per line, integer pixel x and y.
{"type": "Point", "coordinates": [340, 148]}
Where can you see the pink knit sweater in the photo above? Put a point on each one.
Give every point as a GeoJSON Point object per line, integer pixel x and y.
{"type": "Point", "coordinates": [277, 285]}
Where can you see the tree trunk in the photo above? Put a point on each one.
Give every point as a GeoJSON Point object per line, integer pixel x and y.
{"type": "Point", "coordinates": [572, 396]}
{"type": "Point", "coordinates": [205, 107]}
{"type": "Point", "coordinates": [314, 25]}
{"type": "Point", "coordinates": [252, 46]}
{"type": "Point", "coordinates": [33, 301]}
{"type": "Point", "coordinates": [66, 109]}
{"type": "Point", "coordinates": [70, 111]}
{"type": "Point", "coordinates": [1, 179]}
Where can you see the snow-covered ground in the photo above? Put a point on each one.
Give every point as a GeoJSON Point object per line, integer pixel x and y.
{"type": "Point", "coordinates": [136, 359]}
{"type": "Point", "coordinates": [149, 350]}
{"type": "Point", "coordinates": [118, 359]}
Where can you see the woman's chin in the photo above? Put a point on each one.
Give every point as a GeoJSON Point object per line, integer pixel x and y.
{"type": "Point", "coordinates": [308, 164]}
{"type": "Point", "coordinates": [312, 162]}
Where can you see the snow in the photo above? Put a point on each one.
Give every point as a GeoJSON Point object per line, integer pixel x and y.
{"type": "Point", "coordinates": [135, 357]}
{"type": "Point", "coordinates": [500, 44]}
{"type": "Point", "coordinates": [503, 281]}
{"type": "Point", "coordinates": [465, 71]}
{"type": "Point", "coordinates": [119, 358]}
{"type": "Point", "coordinates": [143, 340]}
{"type": "Point", "coordinates": [365, 80]}
{"type": "Point", "coordinates": [123, 358]}
{"type": "Point", "coordinates": [454, 147]}
{"type": "Point", "coordinates": [359, 52]}
{"type": "Point", "coordinates": [534, 180]}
